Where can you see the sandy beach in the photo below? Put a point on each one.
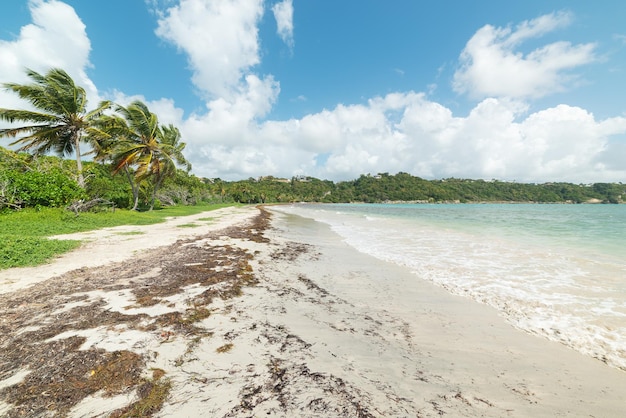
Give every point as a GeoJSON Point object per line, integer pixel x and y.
{"type": "Point", "coordinates": [245, 312]}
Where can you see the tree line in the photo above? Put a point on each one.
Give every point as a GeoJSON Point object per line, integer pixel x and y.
{"type": "Point", "coordinates": [404, 187]}
{"type": "Point", "coordinates": [137, 163]}
{"type": "Point", "coordinates": [28, 180]}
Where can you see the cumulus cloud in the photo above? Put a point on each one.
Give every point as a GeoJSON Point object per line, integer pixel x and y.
{"type": "Point", "coordinates": [220, 39]}
{"type": "Point", "coordinates": [55, 38]}
{"type": "Point", "coordinates": [407, 132]}
{"type": "Point", "coordinates": [492, 66]}
{"type": "Point", "coordinates": [283, 13]}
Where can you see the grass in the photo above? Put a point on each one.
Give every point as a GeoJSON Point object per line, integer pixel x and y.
{"type": "Point", "coordinates": [23, 234]}
{"type": "Point", "coordinates": [21, 251]}
{"type": "Point", "coordinates": [130, 233]}
{"type": "Point", "coordinates": [189, 225]}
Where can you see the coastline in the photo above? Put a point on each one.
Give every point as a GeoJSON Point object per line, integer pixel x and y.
{"type": "Point", "coordinates": [274, 315]}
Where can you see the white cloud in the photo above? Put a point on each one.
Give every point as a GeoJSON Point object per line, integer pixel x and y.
{"type": "Point", "coordinates": [495, 140]}
{"type": "Point", "coordinates": [56, 38]}
{"type": "Point", "coordinates": [220, 38]}
{"type": "Point", "coordinates": [404, 131]}
{"type": "Point", "coordinates": [283, 13]}
{"type": "Point", "coordinates": [491, 66]}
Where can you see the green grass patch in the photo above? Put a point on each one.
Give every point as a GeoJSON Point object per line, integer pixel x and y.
{"type": "Point", "coordinates": [189, 225]}
{"type": "Point", "coordinates": [23, 233]}
{"type": "Point", "coordinates": [22, 251]}
{"type": "Point", "coordinates": [130, 233]}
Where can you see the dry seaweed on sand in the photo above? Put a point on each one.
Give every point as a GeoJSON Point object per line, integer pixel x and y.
{"type": "Point", "coordinates": [58, 371]}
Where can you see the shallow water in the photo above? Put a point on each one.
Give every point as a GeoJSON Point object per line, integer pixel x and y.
{"type": "Point", "coordinates": [554, 270]}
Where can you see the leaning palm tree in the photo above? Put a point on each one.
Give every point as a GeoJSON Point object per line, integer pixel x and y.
{"type": "Point", "coordinates": [111, 139]}
{"type": "Point", "coordinates": [137, 133]}
{"type": "Point", "coordinates": [135, 143]}
{"type": "Point", "coordinates": [139, 136]}
{"type": "Point", "coordinates": [167, 157]}
{"type": "Point", "coordinates": [60, 120]}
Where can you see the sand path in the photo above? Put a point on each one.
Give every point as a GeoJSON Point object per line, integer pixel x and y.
{"type": "Point", "coordinates": [115, 244]}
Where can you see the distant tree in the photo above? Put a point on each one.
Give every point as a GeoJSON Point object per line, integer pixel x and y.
{"type": "Point", "coordinates": [60, 120]}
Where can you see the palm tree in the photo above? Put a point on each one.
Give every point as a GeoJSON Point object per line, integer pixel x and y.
{"type": "Point", "coordinates": [135, 140]}
{"type": "Point", "coordinates": [111, 138]}
{"type": "Point", "coordinates": [136, 134]}
{"type": "Point", "coordinates": [168, 156]}
{"type": "Point", "coordinates": [60, 120]}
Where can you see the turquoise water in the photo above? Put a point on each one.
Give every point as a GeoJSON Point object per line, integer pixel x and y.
{"type": "Point", "coordinates": [558, 271]}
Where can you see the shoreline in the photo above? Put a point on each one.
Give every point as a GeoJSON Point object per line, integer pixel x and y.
{"type": "Point", "coordinates": [463, 345]}
{"type": "Point", "coordinates": [266, 313]}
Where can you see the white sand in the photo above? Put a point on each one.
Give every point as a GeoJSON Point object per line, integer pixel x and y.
{"type": "Point", "coordinates": [330, 332]}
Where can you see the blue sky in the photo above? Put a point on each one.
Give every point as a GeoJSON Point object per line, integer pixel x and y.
{"type": "Point", "coordinates": [525, 91]}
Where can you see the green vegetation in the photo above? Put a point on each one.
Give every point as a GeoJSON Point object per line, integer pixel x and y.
{"type": "Point", "coordinates": [403, 187]}
{"type": "Point", "coordinates": [30, 251]}
{"type": "Point", "coordinates": [131, 140]}
{"type": "Point", "coordinates": [46, 181]}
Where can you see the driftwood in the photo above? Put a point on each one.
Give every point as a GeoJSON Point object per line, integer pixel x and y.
{"type": "Point", "coordinates": [8, 196]}
{"type": "Point", "coordinates": [82, 205]}
{"type": "Point", "coordinates": [7, 203]}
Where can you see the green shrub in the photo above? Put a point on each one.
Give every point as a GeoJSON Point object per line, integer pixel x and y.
{"type": "Point", "coordinates": [36, 188]}
{"type": "Point", "coordinates": [102, 184]}
{"type": "Point", "coordinates": [20, 251]}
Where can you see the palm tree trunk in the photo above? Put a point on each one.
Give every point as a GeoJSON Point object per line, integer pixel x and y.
{"type": "Point", "coordinates": [157, 184]}
{"type": "Point", "coordinates": [79, 163]}
{"type": "Point", "coordinates": [134, 187]}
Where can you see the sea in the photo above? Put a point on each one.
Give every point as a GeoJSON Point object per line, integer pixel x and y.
{"type": "Point", "coordinates": [554, 270]}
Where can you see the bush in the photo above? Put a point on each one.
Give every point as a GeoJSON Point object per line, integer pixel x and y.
{"type": "Point", "coordinates": [101, 184]}
{"type": "Point", "coordinates": [36, 188]}
{"type": "Point", "coordinates": [31, 251]}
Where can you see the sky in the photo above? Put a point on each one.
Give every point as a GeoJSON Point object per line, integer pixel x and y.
{"type": "Point", "coordinates": [528, 91]}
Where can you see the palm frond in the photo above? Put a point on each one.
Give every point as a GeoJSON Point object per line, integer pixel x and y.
{"type": "Point", "coordinates": [13, 115]}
